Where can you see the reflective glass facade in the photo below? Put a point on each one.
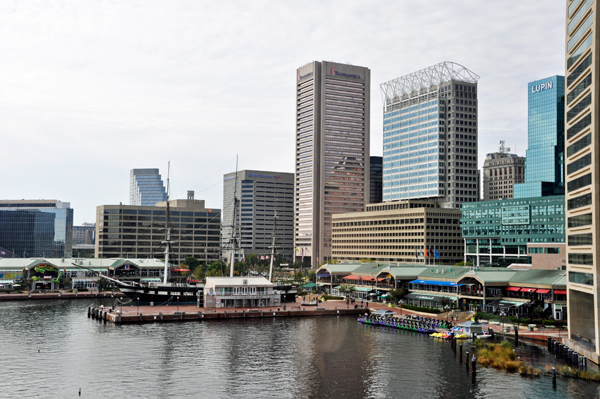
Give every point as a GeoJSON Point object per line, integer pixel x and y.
{"type": "Point", "coordinates": [36, 229]}
{"type": "Point", "coordinates": [544, 164]}
{"type": "Point", "coordinates": [430, 136]}
{"type": "Point", "coordinates": [146, 187]}
{"type": "Point", "coordinates": [494, 230]}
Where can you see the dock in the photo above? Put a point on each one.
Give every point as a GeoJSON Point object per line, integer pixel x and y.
{"type": "Point", "coordinates": [61, 295]}
{"type": "Point", "coordinates": [173, 313]}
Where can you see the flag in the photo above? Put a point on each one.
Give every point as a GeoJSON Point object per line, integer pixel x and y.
{"type": "Point", "coordinates": [302, 255]}
{"type": "Point", "coordinates": [436, 253]}
{"type": "Point", "coordinates": [3, 253]}
{"type": "Point", "coordinates": [421, 254]}
{"type": "Point", "coordinates": [297, 250]}
{"type": "Point", "coordinates": [426, 253]}
{"type": "Point", "coordinates": [267, 257]}
{"type": "Point", "coordinates": [126, 267]}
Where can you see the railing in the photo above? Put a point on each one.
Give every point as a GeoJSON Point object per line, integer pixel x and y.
{"type": "Point", "coordinates": [231, 294]}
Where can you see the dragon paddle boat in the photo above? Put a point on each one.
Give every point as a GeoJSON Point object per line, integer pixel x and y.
{"type": "Point", "coordinates": [418, 324]}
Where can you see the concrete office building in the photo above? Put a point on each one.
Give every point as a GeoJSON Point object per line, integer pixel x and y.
{"type": "Point", "coordinates": [399, 231]}
{"type": "Point", "coordinates": [501, 171]}
{"type": "Point", "coordinates": [260, 194]}
{"type": "Point", "coordinates": [128, 231]}
{"type": "Point", "coordinates": [376, 180]}
{"type": "Point", "coordinates": [582, 176]}
{"type": "Point", "coordinates": [545, 160]}
{"type": "Point", "coordinates": [31, 228]}
{"type": "Point", "coordinates": [430, 136]}
{"type": "Point", "coordinates": [84, 234]}
{"type": "Point", "coordinates": [332, 151]}
{"type": "Point", "coordinates": [146, 187]}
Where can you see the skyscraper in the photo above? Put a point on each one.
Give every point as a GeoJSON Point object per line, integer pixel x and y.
{"type": "Point", "coordinates": [544, 163]}
{"type": "Point", "coordinates": [430, 136]}
{"type": "Point", "coordinates": [582, 174]}
{"type": "Point", "coordinates": [262, 194]}
{"type": "Point", "coordinates": [146, 187]}
{"type": "Point", "coordinates": [332, 151]}
{"type": "Point", "coordinates": [376, 180]}
{"type": "Point", "coordinates": [501, 171]}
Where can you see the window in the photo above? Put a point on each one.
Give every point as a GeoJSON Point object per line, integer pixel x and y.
{"type": "Point", "coordinates": [577, 90]}
{"type": "Point", "coordinates": [580, 69]}
{"type": "Point", "coordinates": [581, 220]}
{"type": "Point", "coordinates": [552, 250]}
{"type": "Point", "coordinates": [580, 239]}
{"type": "Point", "coordinates": [580, 106]}
{"type": "Point", "coordinates": [579, 182]}
{"type": "Point", "coordinates": [579, 164]}
{"type": "Point", "coordinates": [579, 126]}
{"type": "Point", "coordinates": [581, 278]}
{"type": "Point", "coordinates": [536, 250]}
{"type": "Point", "coordinates": [581, 259]}
{"type": "Point", "coordinates": [579, 145]}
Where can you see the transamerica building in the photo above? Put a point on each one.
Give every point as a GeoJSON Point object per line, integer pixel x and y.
{"type": "Point", "coordinates": [332, 152]}
{"type": "Point", "coordinates": [430, 136]}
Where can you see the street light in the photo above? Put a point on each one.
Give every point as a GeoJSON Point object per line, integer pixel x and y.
{"type": "Point", "coordinates": [447, 309]}
{"type": "Point", "coordinates": [502, 314]}
{"type": "Point", "coordinates": [401, 302]}
{"type": "Point", "coordinates": [138, 305]}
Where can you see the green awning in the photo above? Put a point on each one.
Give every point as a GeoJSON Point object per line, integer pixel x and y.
{"type": "Point", "coordinates": [309, 285]}
{"type": "Point", "coordinates": [363, 289]}
{"type": "Point", "coordinates": [150, 280]}
{"type": "Point", "coordinates": [7, 281]}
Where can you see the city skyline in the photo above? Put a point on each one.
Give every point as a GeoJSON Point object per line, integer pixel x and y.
{"type": "Point", "coordinates": [145, 78]}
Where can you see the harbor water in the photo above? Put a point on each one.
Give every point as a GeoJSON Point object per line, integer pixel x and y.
{"type": "Point", "coordinates": [50, 349]}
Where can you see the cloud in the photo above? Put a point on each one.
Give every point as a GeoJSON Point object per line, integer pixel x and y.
{"type": "Point", "coordinates": [92, 89]}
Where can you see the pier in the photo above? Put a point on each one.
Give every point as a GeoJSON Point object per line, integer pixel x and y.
{"type": "Point", "coordinates": [173, 313]}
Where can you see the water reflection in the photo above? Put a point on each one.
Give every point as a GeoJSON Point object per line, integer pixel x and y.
{"type": "Point", "coordinates": [284, 358]}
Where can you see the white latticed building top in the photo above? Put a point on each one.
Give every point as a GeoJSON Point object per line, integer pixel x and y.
{"type": "Point", "coordinates": [430, 136]}
{"type": "Point", "coordinates": [425, 79]}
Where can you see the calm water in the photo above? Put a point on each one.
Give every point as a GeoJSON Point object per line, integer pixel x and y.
{"type": "Point", "coordinates": [280, 358]}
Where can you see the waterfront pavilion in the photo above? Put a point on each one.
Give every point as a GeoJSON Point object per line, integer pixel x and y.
{"type": "Point", "coordinates": [240, 292]}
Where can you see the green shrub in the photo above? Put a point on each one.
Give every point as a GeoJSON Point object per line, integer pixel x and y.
{"type": "Point", "coordinates": [557, 323]}
{"type": "Point", "coordinates": [333, 298]}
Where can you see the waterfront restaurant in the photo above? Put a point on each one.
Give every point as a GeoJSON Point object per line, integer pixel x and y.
{"type": "Point", "coordinates": [240, 292]}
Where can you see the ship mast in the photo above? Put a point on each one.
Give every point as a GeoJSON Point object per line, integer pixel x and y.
{"type": "Point", "coordinates": [273, 245]}
{"type": "Point", "coordinates": [233, 232]}
{"type": "Point", "coordinates": [167, 241]}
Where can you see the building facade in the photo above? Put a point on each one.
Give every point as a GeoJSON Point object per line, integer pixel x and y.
{"type": "Point", "coordinates": [84, 234]}
{"type": "Point", "coordinates": [376, 180]}
{"type": "Point", "coordinates": [496, 233]}
{"type": "Point", "coordinates": [430, 136]}
{"type": "Point", "coordinates": [545, 158]}
{"type": "Point", "coordinates": [128, 231]}
{"type": "Point", "coordinates": [332, 151]}
{"type": "Point", "coordinates": [260, 196]}
{"type": "Point", "coordinates": [31, 228]}
{"type": "Point", "coordinates": [501, 171]}
{"type": "Point", "coordinates": [583, 176]}
{"type": "Point", "coordinates": [406, 231]}
{"type": "Point", "coordinates": [146, 187]}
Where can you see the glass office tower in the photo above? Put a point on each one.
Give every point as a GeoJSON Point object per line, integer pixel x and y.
{"type": "Point", "coordinates": [430, 136]}
{"type": "Point", "coordinates": [36, 228]}
{"type": "Point", "coordinates": [545, 160]}
{"type": "Point", "coordinates": [146, 187]}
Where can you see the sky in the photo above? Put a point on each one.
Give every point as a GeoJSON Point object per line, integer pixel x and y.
{"type": "Point", "coordinates": [92, 89]}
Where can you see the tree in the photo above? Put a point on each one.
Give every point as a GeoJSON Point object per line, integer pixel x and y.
{"type": "Point", "coordinates": [444, 301]}
{"type": "Point", "coordinates": [464, 264]}
{"type": "Point", "coordinates": [398, 293]}
{"type": "Point", "coordinates": [191, 262]}
{"type": "Point", "coordinates": [347, 289]}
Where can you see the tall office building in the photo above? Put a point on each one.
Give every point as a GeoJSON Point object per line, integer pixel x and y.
{"type": "Point", "coordinates": [430, 136]}
{"type": "Point", "coordinates": [131, 231]}
{"type": "Point", "coordinates": [376, 180]}
{"type": "Point", "coordinates": [36, 228]}
{"type": "Point", "coordinates": [260, 194]}
{"type": "Point", "coordinates": [582, 176]}
{"type": "Point", "coordinates": [146, 187]}
{"type": "Point", "coordinates": [501, 171]}
{"type": "Point", "coordinates": [544, 162]}
{"type": "Point", "coordinates": [332, 151]}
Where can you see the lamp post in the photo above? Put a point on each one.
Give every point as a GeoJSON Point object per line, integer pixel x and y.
{"type": "Point", "coordinates": [502, 314]}
{"type": "Point", "coordinates": [447, 309]}
{"type": "Point", "coordinates": [138, 305]}
{"type": "Point", "coordinates": [401, 302]}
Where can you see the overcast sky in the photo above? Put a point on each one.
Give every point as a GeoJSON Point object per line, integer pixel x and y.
{"type": "Point", "coordinates": [92, 89]}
